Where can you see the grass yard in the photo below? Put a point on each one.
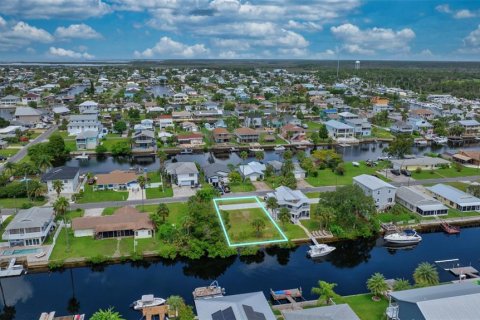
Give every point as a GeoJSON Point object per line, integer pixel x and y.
{"type": "Point", "coordinates": [381, 133]}
{"type": "Point", "coordinates": [178, 210]}
{"type": "Point", "coordinates": [109, 211]}
{"type": "Point", "coordinates": [153, 176]}
{"type": "Point", "coordinates": [110, 142]}
{"type": "Point", "coordinates": [71, 145]}
{"type": "Point", "coordinates": [293, 231]}
{"type": "Point", "coordinates": [246, 186]}
{"type": "Point", "coordinates": [9, 152]}
{"type": "Point", "coordinates": [101, 196]}
{"type": "Point", "coordinates": [328, 178]}
{"type": "Point", "coordinates": [155, 193]}
{"type": "Point", "coordinates": [365, 307]}
{"type": "Point", "coordinates": [235, 201]}
{"type": "Point", "coordinates": [398, 213]}
{"type": "Point", "coordinates": [18, 202]}
{"type": "Point", "coordinates": [313, 125]}
{"type": "Point", "coordinates": [446, 173]}
{"type": "Point", "coordinates": [313, 195]}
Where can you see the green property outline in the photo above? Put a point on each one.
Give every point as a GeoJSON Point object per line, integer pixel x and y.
{"type": "Point", "coordinates": [254, 243]}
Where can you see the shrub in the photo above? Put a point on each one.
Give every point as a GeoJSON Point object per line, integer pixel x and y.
{"type": "Point", "coordinates": [418, 170]}
{"type": "Point", "coordinates": [26, 205]}
{"type": "Point", "coordinates": [56, 264]}
{"type": "Point", "coordinates": [98, 259]}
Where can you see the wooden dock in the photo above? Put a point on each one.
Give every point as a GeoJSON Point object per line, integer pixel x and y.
{"type": "Point", "coordinates": [468, 271]}
{"type": "Point", "coordinates": [157, 311]}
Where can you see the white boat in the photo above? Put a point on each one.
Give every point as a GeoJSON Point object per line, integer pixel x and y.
{"type": "Point", "coordinates": [82, 156]}
{"type": "Point", "coordinates": [186, 151]}
{"type": "Point", "coordinates": [147, 300]}
{"type": "Point", "coordinates": [420, 142]}
{"type": "Point", "coordinates": [440, 140]}
{"type": "Point", "coordinates": [319, 250]}
{"type": "Point", "coordinates": [255, 150]}
{"type": "Point", "coordinates": [233, 149]}
{"type": "Point", "coordinates": [279, 148]}
{"type": "Point", "coordinates": [406, 237]}
{"type": "Point", "coordinates": [13, 270]}
{"type": "Point", "coordinates": [212, 291]}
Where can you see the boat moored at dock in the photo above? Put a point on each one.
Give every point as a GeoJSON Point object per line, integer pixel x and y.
{"type": "Point", "coordinates": [12, 270]}
{"type": "Point", "coordinates": [319, 250]}
{"type": "Point", "coordinates": [212, 291]}
{"type": "Point", "coordinates": [147, 300]}
{"type": "Point", "coordinates": [406, 237]}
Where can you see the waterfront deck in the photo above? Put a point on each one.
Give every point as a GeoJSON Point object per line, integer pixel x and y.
{"type": "Point", "coordinates": [158, 311]}
{"type": "Point", "coordinates": [467, 271]}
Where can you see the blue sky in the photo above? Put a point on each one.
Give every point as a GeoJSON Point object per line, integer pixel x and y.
{"type": "Point", "coordinates": [56, 30]}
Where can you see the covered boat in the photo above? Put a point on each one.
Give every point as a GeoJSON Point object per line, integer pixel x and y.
{"type": "Point", "coordinates": [407, 237]}
{"type": "Point", "coordinates": [319, 250]}
{"type": "Point", "coordinates": [147, 300]}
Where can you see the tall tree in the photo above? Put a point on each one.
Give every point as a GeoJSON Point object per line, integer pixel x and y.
{"type": "Point", "coordinates": [142, 182]}
{"type": "Point", "coordinates": [258, 225]}
{"type": "Point", "coordinates": [284, 215]}
{"type": "Point", "coordinates": [377, 285]}
{"type": "Point", "coordinates": [43, 162]}
{"type": "Point", "coordinates": [425, 275]}
{"type": "Point", "coordinates": [400, 146]}
{"type": "Point", "coordinates": [60, 207]}
{"type": "Point", "coordinates": [58, 187]}
{"type": "Point", "coordinates": [243, 156]}
{"type": "Point", "coordinates": [325, 291]}
{"type": "Point", "coordinates": [163, 211]}
{"type": "Point", "coordinates": [323, 132]}
{"type": "Point", "coordinates": [272, 204]}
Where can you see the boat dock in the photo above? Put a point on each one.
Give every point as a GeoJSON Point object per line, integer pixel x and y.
{"type": "Point", "coordinates": [467, 271]}
{"type": "Point", "coordinates": [290, 295]}
{"type": "Point", "coordinates": [158, 311]}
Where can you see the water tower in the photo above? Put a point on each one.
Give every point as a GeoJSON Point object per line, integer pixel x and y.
{"type": "Point", "coordinates": [357, 65]}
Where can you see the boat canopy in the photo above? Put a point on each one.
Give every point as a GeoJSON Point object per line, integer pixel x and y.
{"type": "Point", "coordinates": [147, 297]}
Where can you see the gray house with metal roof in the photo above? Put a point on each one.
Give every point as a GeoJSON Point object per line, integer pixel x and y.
{"type": "Point", "coordinates": [30, 227]}
{"type": "Point", "coordinates": [418, 202]}
{"type": "Point", "coordinates": [333, 312]}
{"type": "Point", "coordinates": [455, 198]}
{"type": "Point", "coordinates": [454, 301]}
{"type": "Point", "coordinates": [246, 306]}
{"type": "Point", "coordinates": [294, 200]}
{"type": "Point", "coordinates": [383, 193]}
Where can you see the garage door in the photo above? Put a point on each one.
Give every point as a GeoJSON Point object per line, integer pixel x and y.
{"type": "Point", "coordinates": [185, 183]}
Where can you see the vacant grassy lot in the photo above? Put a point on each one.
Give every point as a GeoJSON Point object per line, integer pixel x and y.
{"type": "Point", "coordinates": [155, 193]}
{"type": "Point", "coordinates": [246, 186]}
{"type": "Point", "coordinates": [446, 173]}
{"type": "Point", "coordinates": [236, 201]}
{"type": "Point", "coordinates": [18, 202]}
{"type": "Point", "coordinates": [89, 195]}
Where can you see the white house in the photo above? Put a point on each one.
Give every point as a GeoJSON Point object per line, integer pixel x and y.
{"type": "Point", "coordinates": [382, 192]}
{"type": "Point", "coordinates": [69, 177]}
{"type": "Point", "coordinates": [294, 200]}
{"type": "Point", "coordinates": [418, 202]}
{"type": "Point", "coordinates": [87, 140]}
{"type": "Point", "coordinates": [165, 121]}
{"type": "Point", "coordinates": [339, 130]}
{"type": "Point", "coordinates": [183, 173]}
{"type": "Point", "coordinates": [88, 107]}
{"type": "Point", "coordinates": [455, 198]}
{"type": "Point", "coordinates": [253, 170]}
{"type": "Point", "coordinates": [83, 122]}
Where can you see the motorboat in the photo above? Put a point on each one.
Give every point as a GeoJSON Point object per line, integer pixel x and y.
{"type": "Point", "coordinates": [406, 237]}
{"type": "Point", "coordinates": [186, 151]}
{"type": "Point", "coordinates": [12, 270]}
{"type": "Point", "coordinates": [279, 148]}
{"type": "Point", "coordinates": [420, 142]}
{"type": "Point", "coordinates": [233, 149]}
{"type": "Point", "coordinates": [255, 150]}
{"type": "Point", "coordinates": [440, 140]}
{"type": "Point", "coordinates": [319, 250]}
{"type": "Point", "coordinates": [212, 291]}
{"type": "Point", "coordinates": [82, 156]}
{"type": "Point", "coordinates": [147, 300]}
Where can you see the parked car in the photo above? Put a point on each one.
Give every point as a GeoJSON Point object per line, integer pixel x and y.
{"type": "Point", "coordinates": [395, 172]}
{"type": "Point", "coordinates": [2, 158]}
{"type": "Point", "coordinates": [406, 173]}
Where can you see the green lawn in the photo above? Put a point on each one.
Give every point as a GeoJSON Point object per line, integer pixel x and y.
{"type": "Point", "coordinates": [381, 133]}
{"type": "Point", "coordinates": [155, 193]}
{"type": "Point", "coordinates": [153, 176]}
{"type": "Point", "coordinates": [89, 195]}
{"type": "Point", "coordinates": [71, 145]}
{"type": "Point", "coordinates": [9, 152]}
{"type": "Point", "coordinates": [328, 178]}
{"type": "Point", "coordinates": [108, 143]}
{"type": "Point", "coordinates": [109, 211]}
{"type": "Point", "coordinates": [246, 186]}
{"type": "Point", "coordinates": [313, 195]}
{"type": "Point", "coordinates": [398, 213]}
{"type": "Point", "coordinates": [365, 307]}
{"type": "Point", "coordinates": [17, 203]}
{"type": "Point", "coordinates": [292, 231]}
{"type": "Point", "coordinates": [240, 229]}
{"type": "Point", "coordinates": [178, 210]}
{"type": "Point", "coordinates": [314, 125]}
{"type": "Point", "coordinates": [446, 173]}
{"type": "Point", "coordinates": [278, 140]}
{"type": "Point", "coordinates": [235, 201]}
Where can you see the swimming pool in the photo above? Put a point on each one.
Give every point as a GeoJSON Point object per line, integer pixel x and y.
{"type": "Point", "coordinates": [20, 252]}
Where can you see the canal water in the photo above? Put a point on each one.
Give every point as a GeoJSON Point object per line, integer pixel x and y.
{"type": "Point", "coordinates": [118, 285]}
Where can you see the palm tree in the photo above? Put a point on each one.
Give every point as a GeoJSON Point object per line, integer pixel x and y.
{"type": "Point", "coordinates": [187, 223]}
{"type": "Point", "coordinates": [163, 211]}
{"type": "Point", "coordinates": [425, 275]}
{"type": "Point", "coordinates": [272, 204]}
{"type": "Point", "coordinates": [259, 155]}
{"type": "Point", "coordinates": [258, 224]}
{"type": "Point", "coordinates": [60, 207]}
{"type": "Point", "coordinates": [108, 314]}
{"type": "Point", "coordinates": [325, 291]}
{"type": "Point", "coordinates": [10, 167]}
{"type": "Point", "coordinates": [243, 156]}
{"type": "Point", "coordinates": [284, 215]}
{"type": "Point", "coordinates": [162, 157]}
{"type": "Point", "coordinates": [44, 161]}
{"type": "Point", "coordinates": [58, 187]}
{"type": "Point", "coordinates": [325, 214]}
{"type": "Point", "coordinates": [175, 302]}
{"type": "Point", "coordinates": [141, 182]}
{"type": "Point", "coordinates": [401, 284]}
{"type": "Point", "coordinates": [36, 190]}
{"type": "Point", "coordinates": [377, 285]}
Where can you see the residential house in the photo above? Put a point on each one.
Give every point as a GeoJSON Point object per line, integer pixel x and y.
{"type": "Point", "coordinates": [330, 312]}
{"type": "Point", "coordinates": [164, 136]}
{"type": "Point", "coordinates": [10, 100]}
{"type": "Point", "coordinates": [294, 200]}
{"type": "Point", "coordinates": [246, 306]}
{"type": "Point", "coordinates": [147, 124]}
{"type": "Point", "coordinates": [468, 157]}
{"type": "Point", "coordinates": [88, 107]}
{"type": "Point", "coordinates": [144, 141]}
{"type": "Point", "coordinates": [27, 116]}
{"type": "Point", "coordinates": [451, 301]}
{"type": "Point", "coordinates": [180, 98]}
{"type": "Point", "coordinates": [472, 127]}
{"type": "Point", "coordinates": [165, 121]}
{"type": "Point", "coordinates": [30, 227]}
{"type": "Point", "coordinates": [383, 193]}
{"type": "Point", "coordinates": [181, 115]}
{"type": "Point", "coordinates": [424, 163]}
{"type": "Point", "coordinates": [190, 139]}
{"type": "Point", "coordinates": [84, 122]}
{"type": "Point", "coordinates": [421, 126]}
{"type": "Point", "coordinates": [7, 112]}
{"type": "Point", "coordinates": [254, 120]}
{"type": "Point", "coordinates": [189, 126]}
{"type": "Point", "coordinates": [61, 110]}
{"type": "Point", "coordinates": [379, 104]}
{"type": "Point", "coordinates": [276, 165]}
{"type": "Point", "coordinates": [246, 135]}
{"type": "Point", "coordinates": [361, 127]}
{"type": "Point", "coordinates": [87, 140]}
{"type": "Point", "coordinates": [116, 180]}
{"type": "Point", "coordinates": [124, 222]}
{"type": "Point", "coordinates": [216, 173]}
{"type": "Point", "coordinates": [293, 133]}
{"type": "Point", "coordinates": [298, 171]}
{"type": "Point", "coordinates": [417, 201]}
{"type": "Point", "coordinates": [70, 177]}
{"type": "Point", "coordinates": [183, 173]}
{"type": "Point", "coordinates": [253, 170]}
{"type": "Point", "coordinates": [31, 97]}
{"type": "Point", "coordinates": [401, 127]}
{"type": "Point", "coordinates": [455, 198]}
{"type": "Point", "coordinates": [221, 135]}
{"type": "Point", "coordinates": [424, 114]}
{"type": "Point", "coordinates": [345, 116]}
{"type": "Point", "coordinates": [339, 130]}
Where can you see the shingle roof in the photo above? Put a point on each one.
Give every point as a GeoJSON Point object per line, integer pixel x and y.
{"type": "Point", "coordinates": [116, 177]}
{"type": "Point", "coordinates": [61, 173]}
{"type": "Point", "coordinates": [27, 111]}
{"type": "Point", "coordinates": [212, 169]}
{"type": "Point", "coordinates": [181, 168]}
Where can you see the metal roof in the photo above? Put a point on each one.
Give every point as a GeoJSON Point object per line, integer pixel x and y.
{"type": "Point", "coordinates": [61, 173]}
{"type": "Point", "coordinates": [35, 217]}
{"type": "Point", "coordinates": [423, 161]}
{"type": "Point", "coordinates": [337, 125]}
{"type": "Point", "coordinates": [453, 194]}
{"type": "Point", "coordinates": [437, 292]}
{"type": "Point", "coordinates": [419, 199]}
{"type": "Point", "coordinates": [333, 312]}
{"type": "Point", "coordinates": [371, 182]}
{"type": "Point", "coordinates": [452, 308]}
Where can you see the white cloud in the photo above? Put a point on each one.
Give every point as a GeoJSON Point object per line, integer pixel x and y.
{"type": "Point", "coordinates": [68, 54]}
{"type": "Point", "coordinates": [47, 9]}
{"type": "Point", "coordinates": [22, 34]}
{"type": "Point", "coordinates": [3, 23]}
{"type": "Point", "coordinates": [80, 31]}
{"type": "Point", "coordinates": [457, 14]}
{"type": "Point", "coordinates": [471, 43]}
{"type": "Point", "coordinates": [443, 8]}
{"type": "Point", "coordinates": [369, 41]}
{"type": "Point", "coordinates": [307, 25]}
{"type": "Point", "coordinates": [167, 47]}
{"type": "Point", "coordinates": [464, 14]}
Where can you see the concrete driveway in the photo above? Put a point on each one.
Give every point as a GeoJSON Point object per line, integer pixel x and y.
{"type": "Point", "coordinates": [261, 186]}
{"type": "Point", "coordinates": [179, 192]}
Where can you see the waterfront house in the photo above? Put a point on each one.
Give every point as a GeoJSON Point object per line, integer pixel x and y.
{"type": "Point", "coordinates": [298, 171]}
{"type": "Point", "coordinates": [293, 133]}
{"type": "Point", "coordinates": [383, 193]}
{"type": "Point", "coordinates": [30, 227]}
{"type": "Point", "coordinates": [455, 198]}
{"type": "Point", "coordinates": [189, 126]}
{"type": "Point", "coordinates": [254, 120]}
{"type": "Point", "coordinates": [180, 98]}
{"type": "Point", "coordinates": [294, 200]}
{"type": "Point", "coordinates": [339, 130]}
{"type": "Point", "coordinates": [216, 173]}
{"type": "Point", "coordinates": [246, 135]}
{"type": "Point", "coordinates": [221, 135]}
{"type": "Point", "coordinates": [190, 139]}
{"type": "Point", "coordinates": [88, 107]}
{"type": "Point", "coordinates": [468, 157]}
{"type": "Point", "coordinates": [401, 127]}
{"type": "Point", "coordinates": [424, 163]}
{"type": "Point", "coordinates": [361, 127]}
{"type": "Point", "coordinates": [165, 121]}
{"type": "Point", "coordinates": [144, 141]}
{"type": "Point", "coordinates": [276, 165]}
{"type": "Point", "coordinates": [246, 306]}
{"type": "Point", "coordinates": [451, 301]}
{"type": "Point", "coordinates": [472, 127]}
{"type": "Point", "coordinates": [116, 180]}
{"type": "Point", "coordinates": [253, 170]}
{"type": "Point", "coordinates": [421, 126]}
{"type": "Point", "coordinates": [332, 312]}
{"type": "Point", "coordinates": [417, 201]}
{"type": "Point", "coordinates": [124, 222]}
{"type": "Point", "coordinates": [83, 122]}
{"type": "Point", "coordinates": [183, 173]}
{"type": "Point", "coordinates": [181, 115]}
{"type": "Point", "coordinates": [70, 177]}
{"type": "Point", "coordinates": [164, 135]}
{"type": "Point", "coordinates": [27, 116]}
{"type": "Point", "coordinates": [87, 140]}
